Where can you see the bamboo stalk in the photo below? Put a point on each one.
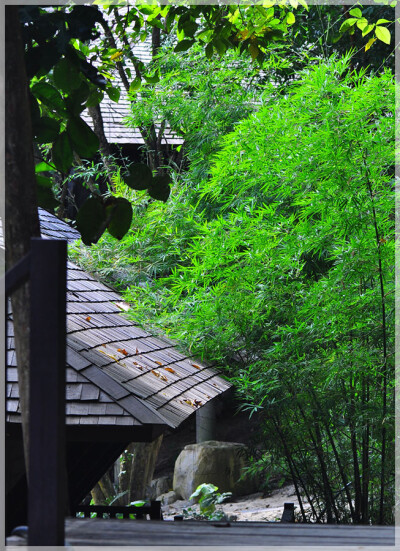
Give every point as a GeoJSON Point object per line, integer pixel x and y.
{"type": "Point", "coordinates": [384, 344]}
{"type": "Point", "coordinates": [290, 465]}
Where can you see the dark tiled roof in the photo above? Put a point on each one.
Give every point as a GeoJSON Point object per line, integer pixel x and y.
{"type": "Point", "coordinates": [117, 372]}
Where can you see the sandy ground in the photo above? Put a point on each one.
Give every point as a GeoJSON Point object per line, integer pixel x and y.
{"type": "Point", "coordinates": [253, 507]}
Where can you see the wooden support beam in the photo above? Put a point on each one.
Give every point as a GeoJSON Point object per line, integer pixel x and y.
{"type": "Point", "coordinates": [46, 481]}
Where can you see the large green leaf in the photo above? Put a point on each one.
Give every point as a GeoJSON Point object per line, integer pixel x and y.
{"type": "Point", "coordinates": [356, 12]}
{"type": "Point", "coordinates": [50, 96]}
{"type": "Point", "coordinates": [66, 75]}
{"type": "Point", "coordinates": [91, 220]}
{"type": "Point", "coordinates": [62, 153]}
{"type": "Point", "coordinates": [160, 187]}
{"type": "Point", "coordinates": [44, 193]}
{"type": "Point", "coordinates": [45, 130]}
{"type": "Point", "coordinates": [183, 45]}
{"type": "Point", "coordinates": [153, 79]}
{"type": "Point", "coordinates": [347, 24]}
{"type": "Point", "coordinates": [43, 167]}
{"type": "Point", "coordinates": [383, 34]}
{"type": "Point", "coordinates": [84, 140]}
{"type": "Point", "coordinates": [75, 102]}
{"type": "Point", "coordinates": [95, 97]}
{"type": "Point", "coordinates": [135, 85]}
{"type": "Point", "coordinates": [34, 108]}
{"type": "Point", "coordinates": [113, 93]}
{"type": "Point", "coordinates": [120, 210]}
{"type": "Point", "coordinates": [140, 177]}
{"type": "Point", "coordinates": [40, 59]}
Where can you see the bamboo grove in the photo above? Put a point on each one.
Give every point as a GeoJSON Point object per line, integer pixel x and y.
{"type": "Point", "coordinates": [278, 265]}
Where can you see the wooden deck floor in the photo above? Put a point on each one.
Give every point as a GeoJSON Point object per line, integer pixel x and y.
{"type": "Point", "coordinates": [99, 532]}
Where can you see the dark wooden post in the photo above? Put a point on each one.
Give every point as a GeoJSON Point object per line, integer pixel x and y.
{"type": "Point", "coordinates": [46, 484]}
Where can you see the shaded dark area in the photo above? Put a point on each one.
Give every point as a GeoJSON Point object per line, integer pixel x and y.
{"type": "Point", "coordinates": [90, 451]}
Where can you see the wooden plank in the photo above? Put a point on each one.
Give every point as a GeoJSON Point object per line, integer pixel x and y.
{"type": "Point", "coordinates": [142, 411]}
{"type": "Point", "coordinates": [77, 408]}
{"type": "Point", "coordinates": [73, 391]}
{"type": "Point", "coordinates": [105, 382]}
{"type": "Point", "coordinates": [245, 534]}
{"type": "Point", "coordinates": [103, 397]}
{"type": "Point", "coordinates": [91, 392]}
{"type": "Point", "coordinates": [76, 360]}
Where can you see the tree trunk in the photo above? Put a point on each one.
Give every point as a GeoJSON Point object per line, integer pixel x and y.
{"type": "Point", "coordinates": [98, 127]}
{"type": "Point", "coordinates": [22, 221]}
{"type": "Point", "coordinates": [143, 463]}
{"type": "Point", "coordinates": [97, 495]}
{"type": "Point", "coordinates": [107, 486]}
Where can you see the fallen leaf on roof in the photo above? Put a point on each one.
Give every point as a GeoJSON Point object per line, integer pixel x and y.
{"type": "Point", "coordinates": [105, 346]}
{"type": "Point", "coordinates": [123, 306]}
{"type": "Point", "coordinates": [196, 366]}
{"type": "Point", "coordinates": [198, 403]}
{"type": "Point", "coordinates": [139, 366]}
{"type": "Point", "coordinates": [157, 362]}
{"type": "Point", "coordinates": [158, 374]}
{"type": "Point", "coordinates": [170, 370]}
{"type": "Point", "coordinates": [88, 318]}
{"type": "Point", "coordinates": [109, 355]}
{"type": "Point", "coordinates": [123, 351]}
{"type": "Point", "coordinates": [190, 402]}
{"type": "Point", "coordinates": [137, 351]}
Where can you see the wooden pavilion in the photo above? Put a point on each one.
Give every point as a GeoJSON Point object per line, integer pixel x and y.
{"type": "Point", "coordinates": [123, 384]}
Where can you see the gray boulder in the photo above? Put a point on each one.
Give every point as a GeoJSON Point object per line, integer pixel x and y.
{"type": "Point", "coordinates": [167, 498]}
{"type": "Point", "coordinates": [218, 463]}
{"type": "Point", "coordinates": [159, 486]}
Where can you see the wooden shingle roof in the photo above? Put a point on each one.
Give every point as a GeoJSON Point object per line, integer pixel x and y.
{"type": "Point", "coordinates": [117, 372]}
{"type": "Point", "coordinates": [114, 113]}
{"type": "Point", "coordinates": [116, 130]}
